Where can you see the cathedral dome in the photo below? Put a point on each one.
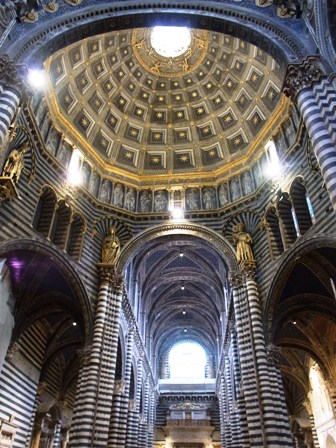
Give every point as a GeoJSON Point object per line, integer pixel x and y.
{"type": "Point", "coordinates": [152, 118]}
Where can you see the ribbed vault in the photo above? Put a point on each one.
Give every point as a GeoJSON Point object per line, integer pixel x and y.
{"type": "Point", "coordinates": [181, 292]}
{"type": "Point", "coordinates": [304, 320]}
{"type": "Point", "coordinates": [51, 311]}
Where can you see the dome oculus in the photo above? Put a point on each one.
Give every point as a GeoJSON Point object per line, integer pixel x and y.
{"type": "Point", "coordinates": [170, 41]}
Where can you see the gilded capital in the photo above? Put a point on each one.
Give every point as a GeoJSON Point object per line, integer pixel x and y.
{"type": "Point", "coordinates": [248, 268]}
{"type": "Point", "coordinates": [106, 272]}
{"type": "Point", "coordinates": [302, 75]}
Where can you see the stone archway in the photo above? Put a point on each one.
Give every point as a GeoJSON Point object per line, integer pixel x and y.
{"type": "Point", "coordinates": [301, 305]}
{"type": "Point", "coordinates": [52, 323]}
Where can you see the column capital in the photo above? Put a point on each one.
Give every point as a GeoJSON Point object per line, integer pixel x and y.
{"type": "Point", "coordinates": [84, 354]}
{"type": "Point", "coordinates": [12, 349]}
{"type": "Point", "coordinates": [132, 405]}
{"type": "Point", "coordinates": [248, 268]}
{"type": "Point", "coordinates": [41, 387]}
{"type": "Point", "coordinates": [308, 406]}
{"type": "Point", "coordinates": [330, 385]}
{"type": "Point", "coordinates": [142, 419]}
{"type": "Point", "coordinates": [232, 326]}
{"type": "Point", "coordinates": [273, 354]}
{"type": "Point", "coordinates": [13, 74]}
{"type": "Point", "coordinates": [131, 331]}
{"type": "Point", "coordinates": [107, 273]}
{"type": "Point", "coordinates": [236, 279]}
{"type": "Point", "coordinates": [119, 387]}
{"type": "Point", "coordinates": [301, 75]}
{"type": "Point", "coordinates": [39, 419]}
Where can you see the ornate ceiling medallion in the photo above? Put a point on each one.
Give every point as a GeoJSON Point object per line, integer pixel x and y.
{"type": "Point", "coordinates": [168, 66]}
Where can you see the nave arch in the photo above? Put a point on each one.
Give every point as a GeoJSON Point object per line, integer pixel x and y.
{"type": "Point", "coordinates": [302, 325]}
{"type": "Point", "coordinates": [45, 332]}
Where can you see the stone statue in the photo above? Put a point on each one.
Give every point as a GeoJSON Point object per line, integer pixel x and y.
{"type": "Point", "coordinates": [15, 163]}
{"type": "Point", "coordinates": [110, 247]}
{"type": "Point", "coordinates": [118, 195]}
{"type": "Point", "coordinates": [145, 201]}
{"type": "Point", "coordinates": [105, 192]}
{"type": "Point", "coordinates": [223, 194]}
{"type": "Point", "coordinates": [192, 199]}
{"type": "Point", "coordinates": [160, 201]}
{"type": "Point", "coordinates": [130, 200]}
{"type": "Point", "coordinates": [247, 183]}
{"type": "Point", "coordinates": [209, 198]}
{"type": "Point", "coordinates": [235, 189]}
{"type": "Point", "coordinates": [243, 241]}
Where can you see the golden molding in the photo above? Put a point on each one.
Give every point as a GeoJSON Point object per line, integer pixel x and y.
{"type": "Point", "coordinates": [159, 65]}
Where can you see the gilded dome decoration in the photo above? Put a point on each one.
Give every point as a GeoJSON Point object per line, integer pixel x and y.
{"type": "Point", "coordinates": [174, 57]}
{"type": "Point", "coordinates": [157, 120]}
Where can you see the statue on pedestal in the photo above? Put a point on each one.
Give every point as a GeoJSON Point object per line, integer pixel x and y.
{"type": "Point", "coordinates": [110, 247]}
{"type": "Point", "coordinates": [243, 241]}
{"type": "Point", "coordinates": [15, 163]}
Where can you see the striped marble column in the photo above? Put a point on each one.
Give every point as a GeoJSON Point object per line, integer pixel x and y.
{"type": "Point", "coordinates": [11, 89]}
{"type": "Point", "coordinates": [151, 413]}
{"type": "Point", "coordinates": [125, 398]}
{"type": "Point", "coordinates": [331, 389]}
{"type": "Point", "coordinates": [143, 418]}
{"type": "Point", "coordinates": [240, 439]}
{"type": "Point", "coordinates": [221, 398]}
{"type": "Point", "coordinates": [308, 407]}
{"type": "Point", "coordinates": [83, 359]}
{"type": "Point", "coordinates": [315, 95]}
{"type": "Point", "coordinates": [225, 417]}
{"type": "Point", "coordinates": [233, 406]}
{"type": "Point", "coordinates": [91, 420]}
{"type": "Point", "coordinates": [273, 356]}
{"type": "Point", "coordinates": [276, 431]}
{"type": "Point", "coordinates": [40, 389]}
{"type": "Point", "coordinates": [37, 431]}
{"type": "Point", "coordinates": [118, 392]}
{"type": "Point", "coordinates": [249, 383]}
{"type": "Point", "coordinates": [133, 411]}
{"type": "Point", "coordinates": [55, 441]}
{"type": "Point", "coordinates": [117, 434]}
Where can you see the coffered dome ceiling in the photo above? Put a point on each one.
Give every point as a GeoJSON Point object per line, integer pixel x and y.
{"type": "Point", "coordinates": [145, 116]}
